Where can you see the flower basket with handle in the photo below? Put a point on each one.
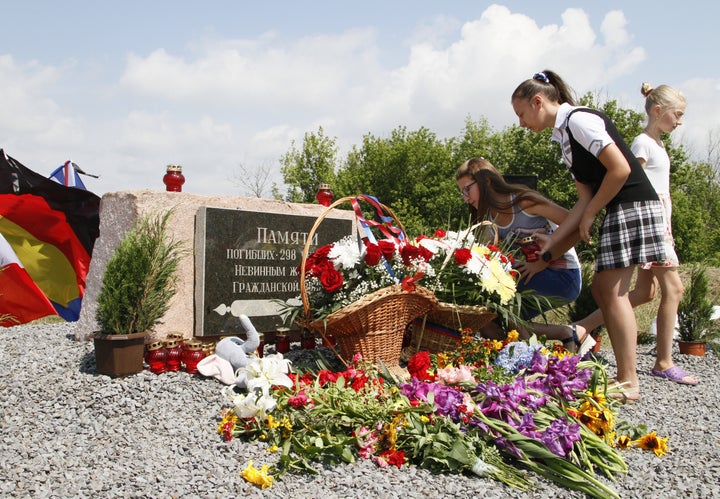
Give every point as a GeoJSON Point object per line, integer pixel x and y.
{"type": "Point", "coordinates": [440, 330]}
{"type": "Point", "coordinates": [374, 324]}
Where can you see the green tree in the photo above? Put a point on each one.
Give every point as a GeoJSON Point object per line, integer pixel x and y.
{"type": "Point", "coordinates": [304, 170]}
{"type": "Point", "coordinates": [410, 171]}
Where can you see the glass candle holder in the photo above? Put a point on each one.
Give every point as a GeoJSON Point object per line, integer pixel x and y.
{"type": "Point", "coordinates": [282, 343]}
{"type": "Point", "coordinates": [156, 357]}
{"type": "Point", "coordinates": [529, 246]}
{"type": "Point", "coordinates": [261, 346]}
{"type": "Point", "coordinates": [173, 179]}
{"type": "Point", "coordinates": [192, 353]}
{"type": "Point", "coordinates": [324, 195]}
{"type": "Point", "coordinates": [173, 355]}
{"type": "Point", "coordinates": [307, 341]}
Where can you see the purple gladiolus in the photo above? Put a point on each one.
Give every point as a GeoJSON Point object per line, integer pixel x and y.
{"type": "Point", "coordinates": [559, 437]}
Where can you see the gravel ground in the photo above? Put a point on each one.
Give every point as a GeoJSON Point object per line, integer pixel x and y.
{"type": "Point", "coordinates": [66, 431]}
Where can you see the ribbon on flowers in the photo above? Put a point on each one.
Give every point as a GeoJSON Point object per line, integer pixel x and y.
{"type": "Point", "coordinates": [386, 227]}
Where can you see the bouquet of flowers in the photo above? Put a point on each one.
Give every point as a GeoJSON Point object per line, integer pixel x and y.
{"type": "Point", "coordinates": [466, 271]}
{"type": "Point", "coordinates": [342, 272]}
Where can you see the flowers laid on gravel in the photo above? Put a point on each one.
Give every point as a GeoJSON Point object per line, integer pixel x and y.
{"type": "Point", "coordinates": [494, 409]}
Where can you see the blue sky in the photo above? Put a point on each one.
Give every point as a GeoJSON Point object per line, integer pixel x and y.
{"type": "Point", "coordinates": [223, 87]}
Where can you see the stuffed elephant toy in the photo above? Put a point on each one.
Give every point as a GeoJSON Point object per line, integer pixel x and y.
{"type": "Point", "coordinates": [231, 354]}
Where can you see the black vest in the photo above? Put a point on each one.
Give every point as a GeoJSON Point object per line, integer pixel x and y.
{"type": "Point", "coordinates": [587, 169]}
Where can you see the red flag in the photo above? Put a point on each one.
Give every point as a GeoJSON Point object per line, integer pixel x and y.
{"type": "Point", "coordinates": [21, 301]}
{"type": "Point", "coordinates": [52, 230]}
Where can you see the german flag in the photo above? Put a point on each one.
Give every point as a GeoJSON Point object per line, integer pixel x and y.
{"type": "Point", "coordinates": [52, 229]}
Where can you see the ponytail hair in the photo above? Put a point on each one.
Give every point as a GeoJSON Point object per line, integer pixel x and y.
{"type": "Point", "coordinates": [549, 84]}
{"type": "Point", "coordinates": [665, 96]}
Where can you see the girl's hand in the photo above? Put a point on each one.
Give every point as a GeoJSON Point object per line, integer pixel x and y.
{"type": "Point", "coordinates": [544, 241]}
{"type": "Point", "coordinates": [585, 226]}
{"type": "Point", "coordinates": [527, 270]}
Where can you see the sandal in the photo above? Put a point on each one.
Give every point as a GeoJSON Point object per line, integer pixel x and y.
{"type": "Point", "coordinates": [617, 393]}
{"type": "Point", "coordinates": [676, 374]}
{"type": "Point", "coordinates": [582, 347]}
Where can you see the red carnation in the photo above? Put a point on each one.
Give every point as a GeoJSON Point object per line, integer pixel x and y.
{"type": "Point", "coordinates": [462, 256]}
{"type": "Point", "coordinates": [373, 254]}
{"type": "Point", "coordinates": [331, 279]}
{"type": "Point", "coordinates": [440, 233]}
{"type": "Point", "coordinates": [419, 366]}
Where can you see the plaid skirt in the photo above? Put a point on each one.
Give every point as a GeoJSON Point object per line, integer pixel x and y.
{"type": "Point", "coordinates": [632, 233]}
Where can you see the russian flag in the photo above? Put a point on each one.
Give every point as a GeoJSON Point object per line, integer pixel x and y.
{"type": "Point", "coordinates": [68, 174]}
{"type": "Point", "coordinates": [52, 229]}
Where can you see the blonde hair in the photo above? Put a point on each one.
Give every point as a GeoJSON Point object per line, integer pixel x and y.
{"type": "Point", "coordinates": [665, 96]}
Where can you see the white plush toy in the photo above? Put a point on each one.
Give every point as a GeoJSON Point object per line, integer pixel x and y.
{"type": "Point", "coordinates": [230, 355]}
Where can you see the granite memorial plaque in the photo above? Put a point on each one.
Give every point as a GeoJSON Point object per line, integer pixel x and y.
{"type": "Point", "coordinates": [246, 259]}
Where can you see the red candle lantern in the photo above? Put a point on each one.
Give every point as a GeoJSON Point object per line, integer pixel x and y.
{"type": "Point", "coordinates": [329, 340]}
{"type": "Point", "coordinates": [324, 195]}
{"type": "Point", "coordinates": [261, 346]}
{"type": "Point", "coordinates": [529, 246]}
{"type": "Point", "coordinates": [156, 357]}
{"type": "Point", "coordinates": [282, 343]}
{"type": "Point", "coordinates": [307, 341]}
{"type": "Point", "coordinates": [174, 178]}
{"type": "Point", "coordinates": [173, 355]}
{"type": "Point", "coordinates": [192, 353]}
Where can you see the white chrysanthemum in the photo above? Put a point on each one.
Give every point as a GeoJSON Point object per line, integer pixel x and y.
{"type": "Point", "coordinates": [345, 254]}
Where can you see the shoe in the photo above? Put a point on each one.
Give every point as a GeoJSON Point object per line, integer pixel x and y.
{"type": "Point", "coordinates": [583, 346]}
{"type": "Point", "coordinates": [675, 373]}
{"type": "Point", "coordinates": [617, 393]}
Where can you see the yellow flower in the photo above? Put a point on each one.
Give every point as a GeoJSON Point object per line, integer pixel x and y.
{"type": "Point", "coordinates": [652, 442]}
{"type": "Point", "coordinates": [256, 476]}
{"type": "Point", "coordinates": [229, 416]}
{"type": "Point", "coordinates": [513, 336]}
{"type": "Point", "coordinates": [424, 419]}
{"type": "Point", "coordinates": [623, 441]}
{"type": "Point", "coordinates": [272, 422]}
{"type": "Point", "coordinates": [273, 449]}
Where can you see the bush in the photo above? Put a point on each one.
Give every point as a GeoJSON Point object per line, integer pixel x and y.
{"type": "Point", "coordinates": [140, 279]}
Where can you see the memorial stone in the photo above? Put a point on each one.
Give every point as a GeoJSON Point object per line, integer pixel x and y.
{"type": "Point", "coordinates": [245, 260]}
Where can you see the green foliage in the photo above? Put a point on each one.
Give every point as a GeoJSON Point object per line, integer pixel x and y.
{"type": "Point", "coordinates": [140, 278]}
{"type": "Point", "coordinates": [695, 191]}
{"type": "Point", "coordinates": [696, 308]}
{"type": "Point", "coordinates": [304, 170]}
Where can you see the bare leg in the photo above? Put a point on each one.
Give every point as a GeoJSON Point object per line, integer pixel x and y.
{"type": "Point", "coordinates": [672, 290]}
{"type": "Point", "coordinates": [611, 289]}
{"type": "Point", "coordinates": [644, 291]}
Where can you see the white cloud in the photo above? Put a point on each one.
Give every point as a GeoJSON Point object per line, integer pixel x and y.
{"type": "Point", "coordinates": [218, 103]}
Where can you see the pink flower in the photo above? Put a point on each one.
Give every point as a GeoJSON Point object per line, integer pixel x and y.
{"type": "Point", "coordinates": [454, 375]}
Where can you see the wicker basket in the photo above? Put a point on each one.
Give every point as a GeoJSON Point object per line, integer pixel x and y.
{"type": "Point", "coordinates": [373, 326]}
{"type": "Point", "coordinates": [440, 330]}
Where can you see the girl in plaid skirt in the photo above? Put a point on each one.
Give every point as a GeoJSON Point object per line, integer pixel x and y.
{"type": "Point", "coordinates": [607, 177]}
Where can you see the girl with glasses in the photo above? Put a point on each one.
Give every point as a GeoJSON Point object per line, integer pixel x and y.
{"type": "Point", "coordinates": [518, 212]}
